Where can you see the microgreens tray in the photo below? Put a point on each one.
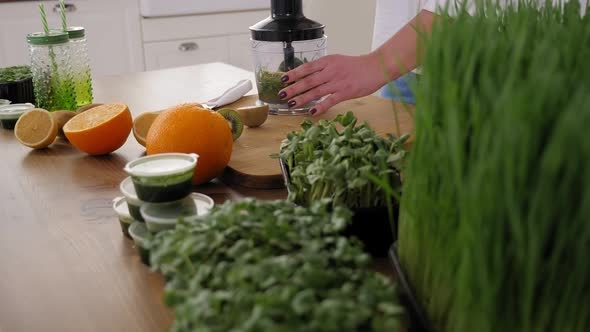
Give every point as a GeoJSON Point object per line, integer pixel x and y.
{"type": "Point", "coordinates": [353, 166]}
{"type": "Point", "coordinates": [370, 225]}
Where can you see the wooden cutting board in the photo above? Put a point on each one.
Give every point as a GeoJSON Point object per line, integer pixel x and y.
{"type": "Point", "coordinates": [251, 164]}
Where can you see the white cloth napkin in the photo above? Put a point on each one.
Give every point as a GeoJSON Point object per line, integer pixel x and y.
{"type": "Point", "coordinates": [230, 95]}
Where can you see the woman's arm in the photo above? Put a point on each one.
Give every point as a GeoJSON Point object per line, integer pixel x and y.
{"type": "Point", "coordinates": [342, 77]}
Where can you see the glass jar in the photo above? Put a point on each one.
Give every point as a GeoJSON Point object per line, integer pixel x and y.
{"type": "Point", "coordinates": [81, 73]}
{"type": "Point", "coordinates": [271, 62]}
{"type": "Point", "coordinates": [51, 69]}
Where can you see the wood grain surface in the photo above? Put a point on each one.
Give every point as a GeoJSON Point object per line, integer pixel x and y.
{"type": "Point", "coordinates": [251, 164]}
{"type": "Point", "coordinates": [64, 264]}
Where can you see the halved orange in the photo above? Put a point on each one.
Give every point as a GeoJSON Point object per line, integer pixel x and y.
{"type": "Point", "coordinates": [100, 130]}
{"type": "Point", "coordinates": [36, 129]}
{"type": "Point", "coordinates": [85, 108]}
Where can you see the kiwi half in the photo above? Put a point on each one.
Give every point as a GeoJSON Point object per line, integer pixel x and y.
{"type": "Point", "coordinates": [253, 116]}
{"type": "Point", "coordinates": [235, 121]}
{"type": "Point", "coordinates": [61, 117]}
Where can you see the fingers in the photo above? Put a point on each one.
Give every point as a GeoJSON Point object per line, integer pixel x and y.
{"type": "Point", "coordinates": [312, 82]}
{"type": "Point", "coordinates": [326, 104]}
{"type": "Point", "coordinates": [304, 70]}
{"type": "Point", "coordinates": [313, 94]}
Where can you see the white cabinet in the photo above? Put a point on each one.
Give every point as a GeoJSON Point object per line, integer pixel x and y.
{"type": "Point", "coordinates": [120, 41]}
{"type": "Point", "coordinates": [112, 28]}
{"type": "Point", "coordinates": [194, 39]}
{"type": "Point", "coordinates": [159, 8]}
{"type": "Point", "coordinates": [185, 52]}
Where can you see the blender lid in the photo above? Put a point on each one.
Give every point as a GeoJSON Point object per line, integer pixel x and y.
{"type": "Point", "coordinates": [286, 24]}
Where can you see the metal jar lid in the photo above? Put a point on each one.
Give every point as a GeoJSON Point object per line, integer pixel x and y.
{"type": "Point", "coordinates": [76, 32]}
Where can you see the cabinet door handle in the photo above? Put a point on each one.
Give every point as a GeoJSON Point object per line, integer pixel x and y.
{"type": "Point", "coordinates": [68, 8]}
{"type": "Point", "coordinates": [187, 47]}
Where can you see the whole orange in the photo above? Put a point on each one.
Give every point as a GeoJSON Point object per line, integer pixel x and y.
{"type": "Point", "coordinates": [100, 130]}
{"type": "Point", "coordinates": [188, 128]}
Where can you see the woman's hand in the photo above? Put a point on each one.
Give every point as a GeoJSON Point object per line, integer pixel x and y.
{"type": "Point", "coordinates": [338, 77]}
{"type": "Point", "coordinates": [342, 77]}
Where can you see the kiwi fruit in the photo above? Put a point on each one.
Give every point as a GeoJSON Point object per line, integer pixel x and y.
{"type": "Point", "coordinates": [253, 116]}
{"type": "Point", "coordinates": [61, 117]}
{"type": "Point", "coordinates": [86, 107]}
{"type": "Point", "coordinates": [235, 121]}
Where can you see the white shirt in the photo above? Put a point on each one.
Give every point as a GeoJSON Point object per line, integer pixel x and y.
{"type": "Point", "coordinates": [392, 15]}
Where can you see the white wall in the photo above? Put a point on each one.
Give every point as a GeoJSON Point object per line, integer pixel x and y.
{"type": "Point", "coordinates": [349, 23]}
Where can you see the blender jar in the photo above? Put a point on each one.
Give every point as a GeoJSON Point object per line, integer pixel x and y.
{"type": "Point", "coordinates": [270, 65]}
{"type": "Point", "coordinates": [282, 42]}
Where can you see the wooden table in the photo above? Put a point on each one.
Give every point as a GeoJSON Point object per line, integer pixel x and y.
{"type": "Point", "coordinates": [64, 264]}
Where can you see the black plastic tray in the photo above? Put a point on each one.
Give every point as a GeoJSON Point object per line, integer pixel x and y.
{"type": "Point", "coordinates": [418, 318]}
{"type": "Point", "coordinates": [370, 225]}
{"type": "Point", "coordinates": [18, 92]}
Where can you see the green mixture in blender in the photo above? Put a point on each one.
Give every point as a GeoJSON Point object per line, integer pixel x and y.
{"type": "Point", "coordinates": [269, 83]}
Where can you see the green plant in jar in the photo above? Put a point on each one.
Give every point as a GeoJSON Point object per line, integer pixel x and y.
{"type": "Point", "coordinates": [269, 82]}
{"type": "Point", "coordinates": [494, 217]}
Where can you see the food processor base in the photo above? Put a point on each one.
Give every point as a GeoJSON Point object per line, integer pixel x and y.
{"type": "Point", "coordinates": [283, 109]}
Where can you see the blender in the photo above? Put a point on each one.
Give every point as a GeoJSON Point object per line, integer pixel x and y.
{"type": "Point", "coordinates": [281, 42]}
